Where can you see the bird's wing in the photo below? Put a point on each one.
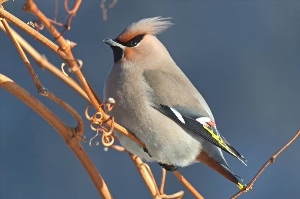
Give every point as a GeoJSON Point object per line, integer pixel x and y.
{"type": "Point", "coordinates": [201, 126]}
{"type": "Point", "coordinates": [174, 88]}
{"type": "Point", "coordinates": [185, 108]}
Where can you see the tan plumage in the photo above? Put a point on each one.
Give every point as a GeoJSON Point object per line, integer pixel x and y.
{"type": "Point", "coordinates": [158, 103]}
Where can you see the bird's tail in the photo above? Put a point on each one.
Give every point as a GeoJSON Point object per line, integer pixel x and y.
{"type": "Point", "coordinates": [220, 168]}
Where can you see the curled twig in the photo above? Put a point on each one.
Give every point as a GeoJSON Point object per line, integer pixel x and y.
{"type": "Point", "coordinates": [63, 69]}
{"type": "Point", "coordinates": [97, 123]}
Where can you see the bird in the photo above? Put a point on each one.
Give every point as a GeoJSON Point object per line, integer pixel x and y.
{"type": "Point", "coordinates": [157, 102]}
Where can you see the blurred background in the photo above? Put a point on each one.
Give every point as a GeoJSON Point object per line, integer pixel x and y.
{"type": "Point", "coordinates": [243, 56]}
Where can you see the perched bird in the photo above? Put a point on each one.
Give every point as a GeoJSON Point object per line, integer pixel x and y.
{"type": "Point", "coordinates": [159, 104]}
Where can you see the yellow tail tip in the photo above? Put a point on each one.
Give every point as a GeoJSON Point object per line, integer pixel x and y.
{"type": "Point", "coordinates": [240, 186]}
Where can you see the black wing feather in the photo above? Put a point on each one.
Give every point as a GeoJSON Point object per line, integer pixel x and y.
{"type": "Point", "coordinates": [199, 130]}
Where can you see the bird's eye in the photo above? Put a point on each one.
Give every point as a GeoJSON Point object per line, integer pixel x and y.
{"type": "Point", "coordinates": [134, 41]}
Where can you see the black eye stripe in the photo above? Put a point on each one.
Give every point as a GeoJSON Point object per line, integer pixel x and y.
{"type": "Point", "coordinates": [132, 42]}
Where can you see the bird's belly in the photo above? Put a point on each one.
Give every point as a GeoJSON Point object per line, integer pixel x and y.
{"type": "Point", "coordinates": [166, 142]}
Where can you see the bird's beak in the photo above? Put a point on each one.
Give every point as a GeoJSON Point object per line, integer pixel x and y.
{"type": "Point", "coordinates": [117, 48]}
{"type": "Point", "coordinates": [112, 43]}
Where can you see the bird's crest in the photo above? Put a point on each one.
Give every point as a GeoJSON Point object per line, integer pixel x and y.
{"type": "Point", "coordinates": [151, 26]}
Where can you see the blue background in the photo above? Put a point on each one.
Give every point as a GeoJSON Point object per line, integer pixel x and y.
{"type": "Point", "coordinates": [242, 55]}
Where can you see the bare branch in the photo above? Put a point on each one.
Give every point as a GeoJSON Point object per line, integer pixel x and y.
{"type": "Point", "coordinates": [65, 47]}
{"type": "Point", "coordinates": [144, 172]}
{"type": "Point", "coordinates": [42, 61]}
{"type": "Point", "coordinates": [71, 12]}
{"type": "Point", "coordinates": [187, 184]}
{"type": "Point", "coordinates": [270, 160]}
{"type": "Point", "coordinates": [66, 132]}
{"type": "Point", "coordinates": [32, 32]}
{"type": "Point", "coordinates": [38, 84]}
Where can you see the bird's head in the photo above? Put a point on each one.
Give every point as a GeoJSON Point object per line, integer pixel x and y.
{"type": "Point", "coordinates": [138, 40]}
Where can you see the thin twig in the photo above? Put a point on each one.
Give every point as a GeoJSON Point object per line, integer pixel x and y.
{"type": "Point", "coordinates": [144, 172]}
{"type": "Point", "coordinates": [38, 84]}
{"type": "Point", "coordinates": [74, 144]}
{"type": "Point", "coordinates": [32, 32]}
{"type": "Point", "coordinates": [44, 63]}
{"type": "Point", "coordinates": [163, 180]}
{"type": "Point", "coordinates": [177, 195]}
{"type": "Point", "coordinates": [55, 10]}
{"type": "Point", "coordinates": [61, 128]}
{"type": "Point", "coordinates": [71, 12]}
{"type": "Point", "coordinates": [55, 48]}
{"type": "Point", "coordinates": [270, 160]}
{"type": "Point", "coordinates": [187, 184]}
{"type": "Point", "coordinates": [65, 47]}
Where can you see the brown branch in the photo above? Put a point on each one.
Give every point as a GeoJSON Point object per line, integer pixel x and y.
{"type": "Point", "coordinates": [66, 132]}
{"type": "Point", "coordinates": [55, 10]}
{"type": "Point", "coordinates": [37, 106]}
{"type": "Point", "coordinates": [270, 160]}
{"type": "Point", "coordinates": [32, 32]}
{"type": "Point", "coordinates": [38, 84]}
{"type": "Point", "coordinates": [56, 49]}
{"type": "Point", "coordinates": [147, 177]}
{"type": "Point", "coordinates": [177, 195]}
{"type": "Point", "coordinates": [163, 180]}
{"type": "Point", "coordinates": [71, 12]}
{"type": "Point", "coordinates": [187, 184]}
{"type": "Point", "coordinates": [42, 61]}
{"type": "Point", "coordinates": [74, 144]}
{"type": "Point", "coordinates": [65, 47]}
{"type": "Point", "coordinates": [74, 8]}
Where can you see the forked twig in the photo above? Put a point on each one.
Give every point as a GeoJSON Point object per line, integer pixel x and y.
{"type": "Point", "coordinates": [149, 180]}
{"type": "Point", "coordinates": [71, 12]}
{"type": "Point", "coordinates": [41, 90]}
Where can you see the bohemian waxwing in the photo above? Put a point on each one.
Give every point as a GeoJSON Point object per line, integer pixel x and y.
{"type": "Point", "coordinates": [159, 104]}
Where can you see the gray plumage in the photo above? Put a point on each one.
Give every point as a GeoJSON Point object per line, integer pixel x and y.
{"type": "Point", "coordinates": [159, 104]}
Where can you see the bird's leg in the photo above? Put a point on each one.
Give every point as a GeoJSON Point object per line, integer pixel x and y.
{"type": "Point", "coordinates": [168, 167]}
{"type": "Point", "coordinates": [177, 195]}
